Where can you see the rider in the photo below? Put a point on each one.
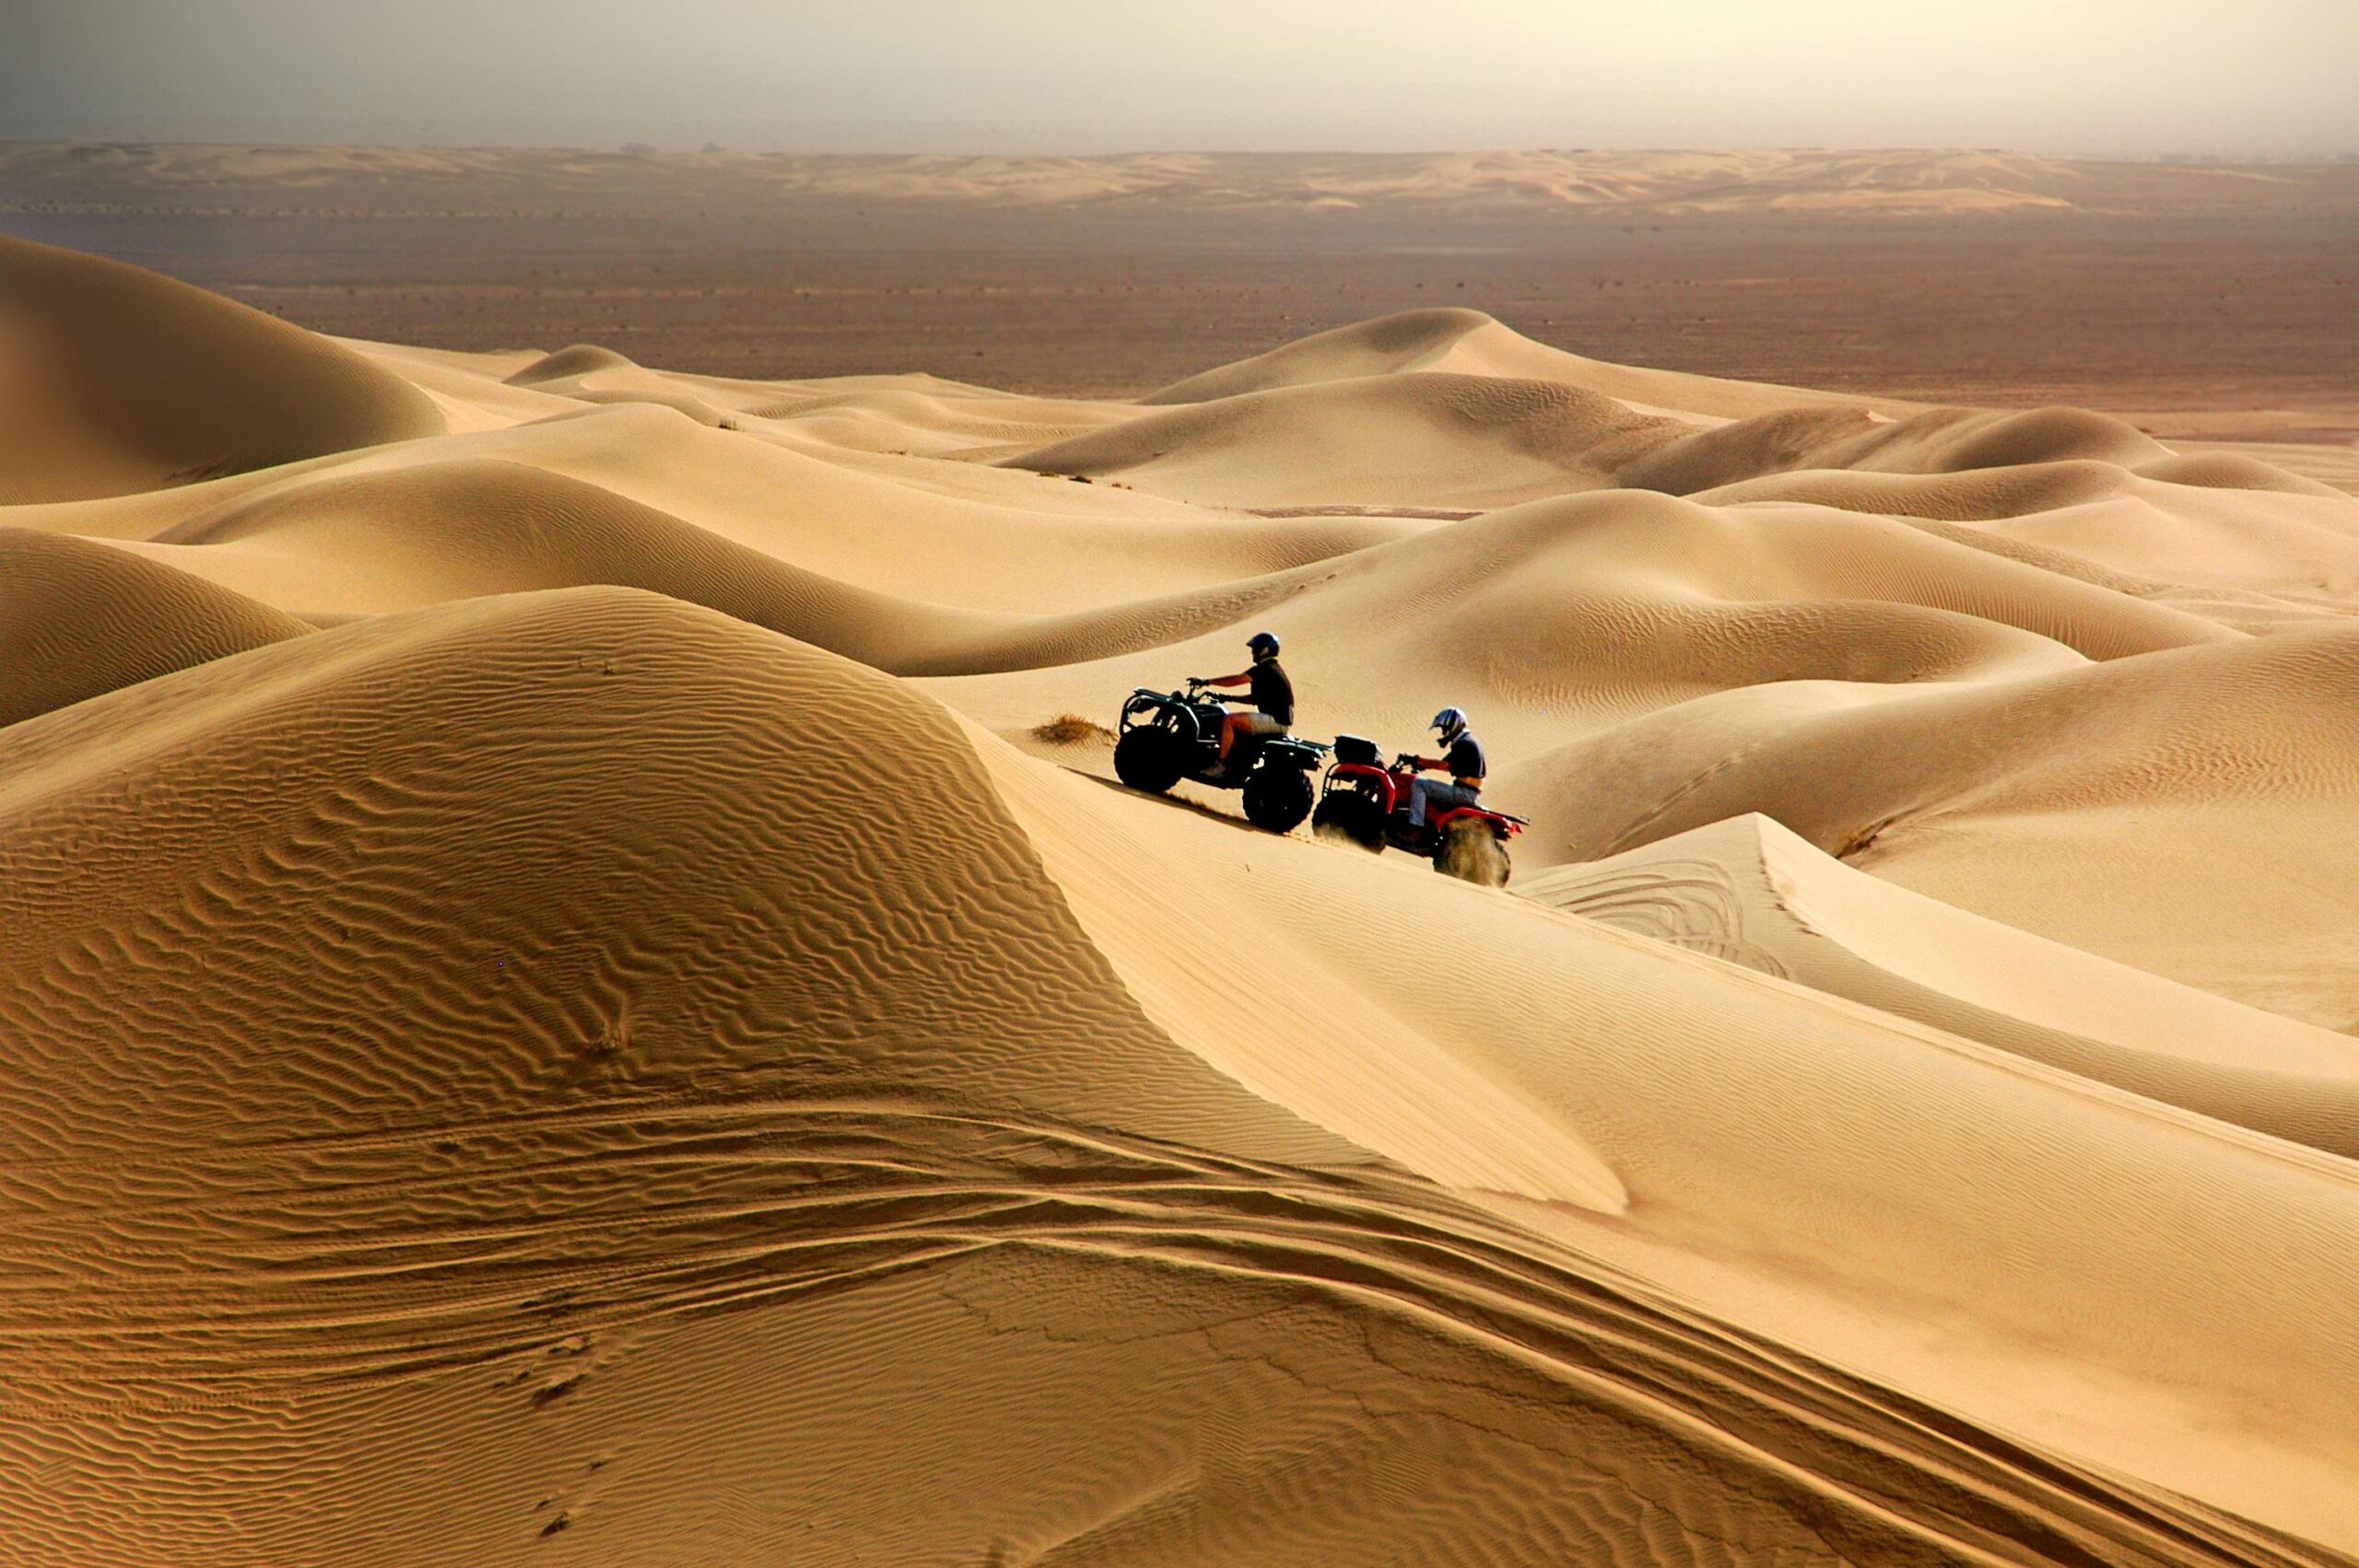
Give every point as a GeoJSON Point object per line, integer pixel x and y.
{"type": "Point", "coordinates": [1270, 692]}
{"type": "Point", "coordinates": [1461, 755]}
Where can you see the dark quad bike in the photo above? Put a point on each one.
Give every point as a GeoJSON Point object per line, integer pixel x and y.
{"type": "Point", "coordinates": [1168, 736]}
{"type": "Point", "coordinates": [1368, 804]}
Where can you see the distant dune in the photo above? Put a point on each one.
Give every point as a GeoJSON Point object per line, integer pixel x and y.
{"type": "Point", "coordinates": [1902, 180]}
{"type": "Point", "coordinates": [566, 997]}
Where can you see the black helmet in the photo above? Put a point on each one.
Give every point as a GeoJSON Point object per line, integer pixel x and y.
{"type": "Point", "coordinates": [1451, 721]}
{"type": "Point", "coordinates": [1263, 645]}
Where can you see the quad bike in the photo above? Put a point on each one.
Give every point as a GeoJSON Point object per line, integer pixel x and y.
{"type": "Point", "coordinates": [1168, 736]}
{"type": "Point", "coordinates": [1368, 804]}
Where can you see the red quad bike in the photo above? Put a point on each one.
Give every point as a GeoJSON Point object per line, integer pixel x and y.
{"type": "Point", "coordinates": [1168, 736]}
{"type": "Point", "coordinates": [1368, 804]}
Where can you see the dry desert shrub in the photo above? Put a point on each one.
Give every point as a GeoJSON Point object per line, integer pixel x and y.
{"type": "Point", "coordinates": [1071, 729]}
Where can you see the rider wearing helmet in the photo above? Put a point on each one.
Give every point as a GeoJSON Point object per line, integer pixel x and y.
{"type": "Point", "coordinates": [1268, 690]}
{"type": "Point", "coordinates": [1461, 758]}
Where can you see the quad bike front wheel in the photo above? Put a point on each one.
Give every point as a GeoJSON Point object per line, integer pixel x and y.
{"type": "Point", "coordinates": [1351, 816]}
{"type": "Point", "coordinates": [1471, 852]}
{"type": "Point", "coordinates": [1150, 758]}
{"type": "Point", "coordinates": [1277, 799]}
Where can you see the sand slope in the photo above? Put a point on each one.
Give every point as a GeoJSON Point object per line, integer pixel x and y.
{"type": "Point", "coordinates": [544, 1016]}
{"type": "Point", "coordinates": [1795, 1160]}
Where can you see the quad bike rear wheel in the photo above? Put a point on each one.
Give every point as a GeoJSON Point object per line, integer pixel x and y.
{"type": "Point", "coordinates": [1150, 758]}
{"type": "Point", "coordinates": [1349, 815]}
{"type": "Point", "coordinates": [1277, 799]}
{"type": "Point", "coordinates": [1471, 852]}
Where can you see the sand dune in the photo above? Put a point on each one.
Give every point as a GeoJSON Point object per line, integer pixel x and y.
{"type": "Point", "coordinates": [423, 533]}
{"type": "Point", "coordinates": [570, 364]}
{"type": "Point", "coordinates": [2099, 805]}
{"type": "Point", "coordinates": [1973, 495]}
{"type": "Point", "coordinates": [1571, 616]}
{"type": "Point", "coordinates": [1438, 439]}
{"type": "Point", "coordinates": [545, 1015]}
{"type": "Point", "coordinates": [84, 413]}
{"type": "Point", "coordinates": [892, 524]}
{"type": "Point", "coordinates": [350, 545]}
{"type": "Point", "coordinates": [2251, 549]}
{"type": "Point", "coordinates": [1451, 408]}
{"type": "Point", "coordinates": [1471, 342]}
{"type": "Point", "coordinates": [1751, 892]}
{"type": "Point", "coordinates": [77, 619]}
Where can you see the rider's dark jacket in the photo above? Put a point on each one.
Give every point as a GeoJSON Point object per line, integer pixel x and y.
{"type": "Point", "coordinates": [1464, 761]}
{"type": "Point", "coordinates": [1272, 693]}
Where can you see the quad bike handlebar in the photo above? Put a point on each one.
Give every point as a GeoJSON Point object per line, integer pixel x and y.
{"type": "Point", "coordinates": [1197, 685]}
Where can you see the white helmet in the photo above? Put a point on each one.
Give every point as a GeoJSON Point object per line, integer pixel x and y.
{"type": "Point", "coordinates": [1451, 721]}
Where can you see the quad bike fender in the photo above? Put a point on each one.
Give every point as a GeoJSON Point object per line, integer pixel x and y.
{"type": "Point", "coordinates": [1355, 775]}
{"type": "Point", "coordinates": [1500, 824]}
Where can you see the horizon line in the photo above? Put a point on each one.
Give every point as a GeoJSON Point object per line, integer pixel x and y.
{"type": "Point", "coordinates": [638, 146]}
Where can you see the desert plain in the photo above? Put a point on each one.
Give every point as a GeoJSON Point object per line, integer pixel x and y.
{"type": "Point", "coordinates": [576, 986]}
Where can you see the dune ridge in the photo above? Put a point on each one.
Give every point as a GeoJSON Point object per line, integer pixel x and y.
{"type": "Point", "coordinates": [560, 1000]}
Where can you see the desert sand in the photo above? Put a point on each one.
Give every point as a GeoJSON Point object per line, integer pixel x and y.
{"type": "Point", "coordinates": [554, 1008]}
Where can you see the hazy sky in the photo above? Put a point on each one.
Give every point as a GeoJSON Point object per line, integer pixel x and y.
{"type": "Point", "coordinates": [2131, 77]}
